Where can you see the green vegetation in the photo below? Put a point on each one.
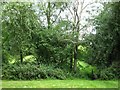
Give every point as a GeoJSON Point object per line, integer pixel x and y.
{"type": "Point", "coordinates": [31, 71]}
{"type": "Point", "coordinates": [76, 83]}
{"type": "Point", "coordinates": [55, 44]}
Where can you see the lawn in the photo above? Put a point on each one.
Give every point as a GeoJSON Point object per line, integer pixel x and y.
{"type": "Point", "coordinates": [78, 83]}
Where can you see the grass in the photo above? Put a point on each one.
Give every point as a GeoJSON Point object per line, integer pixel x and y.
{"type": "Point", "coordinates": [78, 83]}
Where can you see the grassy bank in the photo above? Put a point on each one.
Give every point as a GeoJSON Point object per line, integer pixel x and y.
{"type": "Point", "coordinates": [60, 84]}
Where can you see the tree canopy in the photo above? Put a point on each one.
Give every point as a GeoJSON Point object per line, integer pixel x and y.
{"type": "Point", "coordinates": [58, 42]}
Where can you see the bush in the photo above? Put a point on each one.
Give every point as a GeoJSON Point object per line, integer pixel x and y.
{"type": "Point", "coordinates": [90, 72]}
{"type": "Point", "coordinates": [31, 71]}
{"type": "Point", "coordinates": [85, 71]}
{"type": "Point", "coordinates": [110, 73]}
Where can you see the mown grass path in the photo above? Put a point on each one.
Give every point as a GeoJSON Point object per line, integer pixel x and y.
{"type": "Point", "coordinates": [60, 84]}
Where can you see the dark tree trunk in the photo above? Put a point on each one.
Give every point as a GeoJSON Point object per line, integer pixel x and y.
{"type": "Point", "coordinates": [71, 61]}
{"type": "Point", "coordinates": [48, 15]}
{"type": "Point", "coordinates": [21, 56]}
{"type": "Point", "coordinates": [75, 58]}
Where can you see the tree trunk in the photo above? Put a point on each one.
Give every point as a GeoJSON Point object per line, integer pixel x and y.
{"type": "Point", "coordinates": [21, 56]}
{"type": "Point", "coordinates": [48, 15]}
{"type": "Point", "coordinates": [71, 61]}
{"type": "Point", "coordinates": [75, 58]}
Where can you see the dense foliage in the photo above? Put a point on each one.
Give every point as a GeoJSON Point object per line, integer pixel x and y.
{"type": "Point", "coordinates": [30, 71]}
{"type": "Point", "coordinates": [104, 45]}
{"type": "Point", "coordinates": [55, 44]}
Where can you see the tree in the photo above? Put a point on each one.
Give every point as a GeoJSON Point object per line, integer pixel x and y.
{"type": "Point", "coordinates": [18, 23]}
{"type": "Point", "coordinates": [105, 43]}
{"type": "Point", "coordinates": [50, 38]}
{"type": "Point", "coordinates": [77, 10]}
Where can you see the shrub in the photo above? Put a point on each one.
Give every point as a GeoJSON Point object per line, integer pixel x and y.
{"type": "Point", "coordinates": [31, 71]}
{"type": "Point", "coordinates": [110, 73]}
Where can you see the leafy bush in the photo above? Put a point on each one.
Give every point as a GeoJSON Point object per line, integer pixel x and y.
{"type": "Point", "coordinates": [85, 70]}
{"type": "Point", "coordinates": [110, 73]}
{"type": "Point", "coordinates": [31, 71]}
